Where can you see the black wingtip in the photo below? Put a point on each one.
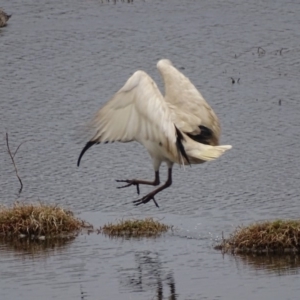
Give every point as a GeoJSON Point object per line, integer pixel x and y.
{"type": "Point", "coordinates": [205, 136]}
{"type": "Point", "coordinates": [179, 145]}
{"type": "Point", "coordinates": [86, 147]}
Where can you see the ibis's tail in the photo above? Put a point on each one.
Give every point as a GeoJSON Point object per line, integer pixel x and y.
{"type": "Point", "coordinates": [206, 152]}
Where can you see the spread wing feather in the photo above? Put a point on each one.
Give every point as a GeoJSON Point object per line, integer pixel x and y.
{"type": "Point", "coordinates": [188, 107]}
{"type": "Point", "coordinates": [137, 112]}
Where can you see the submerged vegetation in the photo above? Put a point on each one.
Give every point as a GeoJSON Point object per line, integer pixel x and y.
{"type": "Point", "coordinates": [272, 263]}
{"type": "Point", "coordinates": [135, 228]}
{"type": "Point", "coordinates": [28, 246]}
{"type": "Point", "coordinates": [280, 236]}
{"type": "Point", "coordinates": [38, 221]}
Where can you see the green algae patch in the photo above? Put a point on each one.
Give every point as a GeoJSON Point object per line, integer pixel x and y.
{"type": "Point", "coordinates": [279, 236]}
{"type": "Point", "coordinates": [147, 227]}
{"type": "Point", "coordinates": [38, 221]}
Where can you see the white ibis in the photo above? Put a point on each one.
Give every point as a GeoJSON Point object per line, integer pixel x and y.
{"type": "Point", "coordinates": [178, 128]}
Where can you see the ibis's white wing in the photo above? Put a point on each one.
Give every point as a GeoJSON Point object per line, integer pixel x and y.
{"type": "Point", "coordinates": [189, 108]}
{"type": "Point", "coordinates": [137, 112]}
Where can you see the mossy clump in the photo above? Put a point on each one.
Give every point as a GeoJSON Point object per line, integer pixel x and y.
{"type": "Point", "coordinates": [38, 220]}
{"type": "Point", "coordinates": [135, 228]}
{"type": "Point", "coordinates": [279, 236]}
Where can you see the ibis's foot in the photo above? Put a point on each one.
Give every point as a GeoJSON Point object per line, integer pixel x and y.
{"type": "Point", "coordinates": [146, 199]}
{"type": "Point", "coordinates": [137, 182]}
{"type": "Point", "coordinates": [151, 195]}
{"type": "Point", "coordinates": [129, 183]}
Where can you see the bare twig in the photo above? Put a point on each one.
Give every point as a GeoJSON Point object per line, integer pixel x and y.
{"type": "Point", "coordinates": [13, 160]}
{"type": "Point", "coordinates": [18, 148]}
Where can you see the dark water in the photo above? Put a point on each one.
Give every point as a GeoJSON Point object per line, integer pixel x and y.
{"type": "Point", "coordinates": [60, 60]}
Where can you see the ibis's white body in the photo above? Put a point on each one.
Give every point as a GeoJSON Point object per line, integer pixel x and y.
{"type": "Point", "coordinates": [139, 112]}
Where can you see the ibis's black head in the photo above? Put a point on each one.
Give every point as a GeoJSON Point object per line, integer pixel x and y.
{"type": "Point", "coordinates": [86, 147]}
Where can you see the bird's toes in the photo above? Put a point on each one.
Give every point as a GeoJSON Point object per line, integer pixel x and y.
{"type": "Point", "coordinates": [129, 183]}
{"type": "Point", "coordinates": [145, 200]}
{"type": "Point", "coordinates": [124, 186]}
{"type": "Point", "coordinates": [137, 202]}
{"type": "Point", "coordinates": [140, 201]}
{"type": "Point", "coordinates": [156, 204]}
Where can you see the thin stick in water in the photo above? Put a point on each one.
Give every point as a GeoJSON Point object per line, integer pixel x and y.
{"type": "Point", "coordinates": [13, 160]}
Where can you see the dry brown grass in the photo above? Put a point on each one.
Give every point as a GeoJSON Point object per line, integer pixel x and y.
{"type": "Point", "coordinates": [135, 228]}
{"type": "Point", "coordinates": [36, 220]}
{"type": "Point", "coordinates": [278, 236]}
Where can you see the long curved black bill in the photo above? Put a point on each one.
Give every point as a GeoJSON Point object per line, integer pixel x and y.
{"type": "Point", "coordinates": [86, 147]}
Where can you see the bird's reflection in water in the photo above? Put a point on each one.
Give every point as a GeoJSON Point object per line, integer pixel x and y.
{"type": "Point", "coordinates": [150, 274]}
{"type": "Point", "coordinates": [171, 284]}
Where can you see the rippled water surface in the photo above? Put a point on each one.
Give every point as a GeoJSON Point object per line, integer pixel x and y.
{"type": "Point", "coordinates": [60, 60]}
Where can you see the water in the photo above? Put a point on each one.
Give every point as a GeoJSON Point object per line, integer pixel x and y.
{"type": "Point", "coordinates": [60, 60]}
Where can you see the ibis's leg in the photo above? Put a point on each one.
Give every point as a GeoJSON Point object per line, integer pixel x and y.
{"type": "Point", "coordinates": [151, 195]}
{"type": "Point", "coordinates": [137, 182]}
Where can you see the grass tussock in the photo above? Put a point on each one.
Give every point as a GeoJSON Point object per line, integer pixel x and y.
{"type": "Point", "coordinates": [280, 236]}
{"type": "Point", "coordinates": [135, 228]}
{"type": "Point", "coordinates": [37, 220]}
